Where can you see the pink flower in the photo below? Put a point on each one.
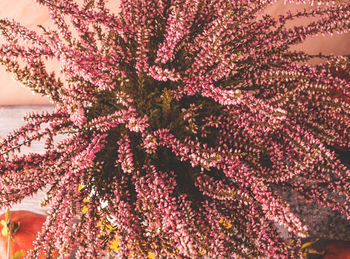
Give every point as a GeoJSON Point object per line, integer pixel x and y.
{"type": "Point", "coordinates": [78, 116]}
{"type": "Point", "coordinates": [180, 121]}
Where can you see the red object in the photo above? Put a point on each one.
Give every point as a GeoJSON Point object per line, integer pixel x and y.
{"type": "Point", "coordinates": [337, 250]}
{"type": "Point", "coordinates": [30, 224]}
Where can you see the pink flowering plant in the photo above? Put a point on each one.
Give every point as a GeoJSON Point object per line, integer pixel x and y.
{"type": "Point", "coordinates": [182, 123]}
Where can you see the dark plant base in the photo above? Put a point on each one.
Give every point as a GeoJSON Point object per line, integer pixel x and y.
{"type": "Point", "coordinates": [322, 222]}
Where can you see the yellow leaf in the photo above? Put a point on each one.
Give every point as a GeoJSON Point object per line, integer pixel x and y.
{"type": "Point", "coordinates": [84, 209]}
{"type": "Point", "coordinates": [7, 216]}
{"type": "Point", "coordinates": [201, 250]}
{"type": "Point", "coordinates": [226, 224]}
{"type": "Point", "coordinates": [19, 254]}
{"type": "Point", "coordinates": [5, 229]}
{"type": "Point", "coordinates": [109, 227]}
{"type": "Point", "coordinates": [151, 255]}
{"type": "Point", "coordinates": [304, 246]}
{"type": "Point", "coordinates": [114, 245]}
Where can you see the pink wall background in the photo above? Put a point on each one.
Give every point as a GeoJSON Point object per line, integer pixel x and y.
{"type": "Point", "coordinates": [30, 14]}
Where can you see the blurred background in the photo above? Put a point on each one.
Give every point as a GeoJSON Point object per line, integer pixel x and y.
{"type": "Point", "coordinates": [29, 14]}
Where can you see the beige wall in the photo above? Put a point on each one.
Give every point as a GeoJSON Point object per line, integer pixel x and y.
{"type": "Point", "coordinates": [336, 44]}
{"type": "Point", "coordinates": [30, 14]}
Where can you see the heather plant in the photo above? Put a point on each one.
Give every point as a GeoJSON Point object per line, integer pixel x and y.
{"type": "Point", "coordinates": [182, 122]}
